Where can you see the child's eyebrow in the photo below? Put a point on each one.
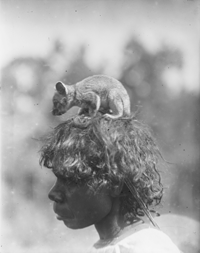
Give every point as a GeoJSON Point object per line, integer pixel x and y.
{"type": "Point", "coordinates": [58, 175]}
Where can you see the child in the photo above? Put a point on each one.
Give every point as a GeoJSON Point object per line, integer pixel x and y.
{"type": "Point", "coordinates": [107, 176]}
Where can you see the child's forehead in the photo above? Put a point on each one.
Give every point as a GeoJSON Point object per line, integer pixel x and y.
{"type": "Point", "coordinates": [59, 171]}
{"type": "Point", "coordinates": [63, 173]}
{"type": "Point", "coordinates": [94, 182]}
{"type": "Point", "coordinates": [63, 178]}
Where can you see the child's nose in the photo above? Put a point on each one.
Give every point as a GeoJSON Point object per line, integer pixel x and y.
{"type": "Point", "coordinates": [56, 195]}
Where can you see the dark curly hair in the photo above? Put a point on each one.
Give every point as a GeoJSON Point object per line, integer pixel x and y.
{"type": "Point", "coordinates": [107, 150]}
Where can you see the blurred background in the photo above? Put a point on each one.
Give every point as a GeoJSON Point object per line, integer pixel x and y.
{"type": "Point", "coordinates": [151, 46]}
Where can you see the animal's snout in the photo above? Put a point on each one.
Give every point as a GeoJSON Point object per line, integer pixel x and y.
{"type": "Point", "coordinates": [55, 112]}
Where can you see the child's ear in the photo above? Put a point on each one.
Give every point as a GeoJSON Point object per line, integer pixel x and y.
{"type": "Point", "coordinates": [61, 88]}
{"type": "Point", "coordinates": [117, 189]}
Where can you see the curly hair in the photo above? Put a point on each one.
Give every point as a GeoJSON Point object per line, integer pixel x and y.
{"type": "Point", "coordinates": [107, 150]}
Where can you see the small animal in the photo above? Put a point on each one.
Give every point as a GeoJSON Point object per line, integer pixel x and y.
{"type": "Point", "coordinates": [98, 93]}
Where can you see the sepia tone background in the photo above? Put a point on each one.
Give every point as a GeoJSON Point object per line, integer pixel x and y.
{"type": "Point", "coordinates": [151, 46]}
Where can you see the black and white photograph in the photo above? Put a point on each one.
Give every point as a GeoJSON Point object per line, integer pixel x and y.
{"type": "Point", "coordinates": [100, 126]}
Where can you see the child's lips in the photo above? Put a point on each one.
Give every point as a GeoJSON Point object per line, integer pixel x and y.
{"type": "Point", "coordinates": [62, 213]}
{"type": "Point", "coordinates": [59, 218]}
{"type": "Point", "coordinates": [64, 218]}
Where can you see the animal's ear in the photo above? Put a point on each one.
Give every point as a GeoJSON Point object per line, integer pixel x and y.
{"type": "Point", "coordinates": [61, 88]}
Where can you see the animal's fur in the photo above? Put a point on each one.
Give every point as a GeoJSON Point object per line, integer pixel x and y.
{"type": "Point", "coordinates": [94, 94]}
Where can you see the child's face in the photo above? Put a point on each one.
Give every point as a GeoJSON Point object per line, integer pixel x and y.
{"type": "Point", "coordinates": [79, 206]}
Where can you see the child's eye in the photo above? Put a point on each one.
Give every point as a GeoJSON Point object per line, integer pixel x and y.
{"type": "Point", "coordinates": [61, 177]}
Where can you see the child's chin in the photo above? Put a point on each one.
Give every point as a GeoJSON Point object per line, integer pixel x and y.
{"type": "Point", "coordinates": [71, 224]}
{"type": "Point", "coordinates": [74, 224]}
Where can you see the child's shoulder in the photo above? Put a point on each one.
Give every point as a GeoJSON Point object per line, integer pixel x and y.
{"type": "Point", "coordinates": [148, 240]}
{"type": "Point", "coordinates": [143, 239]}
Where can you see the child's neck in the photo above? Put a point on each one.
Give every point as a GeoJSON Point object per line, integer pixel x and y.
{"type": "Point", "coordinates": [111, 226]}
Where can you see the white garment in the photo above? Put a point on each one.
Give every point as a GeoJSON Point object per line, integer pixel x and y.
{"type": "Point", "coordinates": [146, 240]}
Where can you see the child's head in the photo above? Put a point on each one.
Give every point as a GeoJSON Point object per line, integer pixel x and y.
{"type": "Point", "coordinates": [106, 152]}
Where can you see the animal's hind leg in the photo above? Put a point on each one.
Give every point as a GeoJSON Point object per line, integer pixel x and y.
{"type": "Point", "coordinates": [97, 103]}
{"type": "Point", "coordinates": [116, 105]}
{"type": "Point", "coordinates": [92, 101]}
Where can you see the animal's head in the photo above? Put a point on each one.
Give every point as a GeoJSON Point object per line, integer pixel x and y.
{"type": "Point", "coordinates": [62, 99]}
